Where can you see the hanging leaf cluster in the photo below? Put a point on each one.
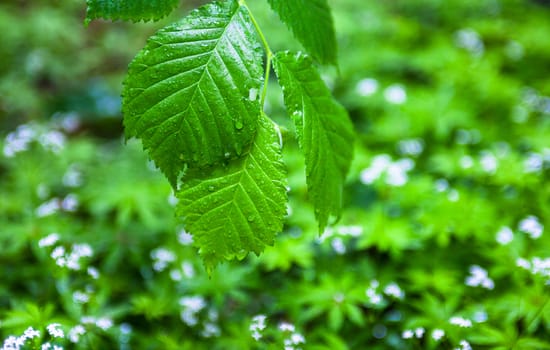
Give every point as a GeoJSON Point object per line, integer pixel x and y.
{"type": "Point", "coordinates": [194, 96]}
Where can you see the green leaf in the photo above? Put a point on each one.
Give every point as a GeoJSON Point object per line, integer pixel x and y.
{"type": "Point", "coordinates": [191, 93]}
{"type": "Point", "coordinates": [129, 10]}
{"type": "Point", "coordinates": [324, 131]}
{"type": "Point", "coordinates": [311, 23]}
{"type": "Point", "coordinates": [238, 208]}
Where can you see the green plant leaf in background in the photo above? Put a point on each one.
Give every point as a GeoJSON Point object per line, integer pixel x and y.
{"type": "Point", "coordinates": [239, 208]}
{"type": "Point", "coordinates": [191, 93]}
{"type": "Point", "coordinates": [324, 131]}
{"type": "Point", "coordinates": [129, 10]}
{"type": "Point", "coordinates": [311, 23]}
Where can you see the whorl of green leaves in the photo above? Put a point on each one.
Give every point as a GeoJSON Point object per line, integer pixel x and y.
{"type": "Point", "coordinates": [193, 96]}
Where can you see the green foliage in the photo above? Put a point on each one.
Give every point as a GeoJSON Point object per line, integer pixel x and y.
{"type": "Point", "coordinates": [324, 131]}
{"type": "Point", "coordinates": [135, 10]}
{"type": "Point", "coordinates": [443, 237]}
{"type": "Point", "coordinates": [311, 23]}
{"type": "Point", "coordinates": [240, 207]}
{"type": "Point", "coordinates": [184, 95]}
{"type": "Point", "coordinates": [192, 95]}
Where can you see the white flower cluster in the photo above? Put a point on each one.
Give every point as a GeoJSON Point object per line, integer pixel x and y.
{"type": "Point", "coordinates": [460, 322]}
{"type": "Point", "coordinates": [479, 277]}
{"type": "Point", "coordinates": [104, 323]}
{"type": "Point", "coordinates": [391, 290]}
{"type": "Point", "coordinates": [504, 235]}
{"type": "Point", "coordinates": [71, 259]}
{"type": "Point", "coordinates": [464, 345]}
{"type": "Point", "coordinates": [191, 306]}
{"type": "Point", "coordinates": [337, 234]}
{"type": "Point", "coordinates": [186, 270]}
{"type": "Point", "coordinates": [15, 343]}
{"type": "Point", "coordinates": [21, 139]}
{"type": "Point", "coordinates": [395, 173]}
{"type": "Point", "coordinates": [419, 332]}
{"type": "Point", "coordinates": [394, 94]}
{"type": "Point", "coordinates": [537, 266]}
{"type": "Point", "coordinates": [185, 238]}
{"type": "Point", "coordinates": [161, 258]}
{"type": "Point", "coordinates": [532, 226]}
{"type": "Point", "coordinates": [69, 204]}
{"type": "Point", "coordinates": [257, 326]}
{"type": "Point", "coordinates": [470, 40]}
{"type": "Point", "coordinates": [292, 339]}
{"type": "Point", "coordinates": [410, 147]}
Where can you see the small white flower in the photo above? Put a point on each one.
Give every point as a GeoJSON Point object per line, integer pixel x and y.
{"type": "Point", "coordinates": [367, 87]}
{"type": "Point", "coordinates": [533, 163]}
{"type": "Point", "coordinates": [161, 258]}
{"type": "Point", "coordinates": [505, 235]}
{"type": "Point", "coordinates": [185, 238]}
{"type": "Point", "coordinates": [55, 330]}
{"type": "Point", "coordinates": [419, 332]}
{"type": "Point", "coordinates": [49, 240]}
{"type": "Point", "coordinates": [297, 338]}
{"type": "Point", "coordinates": [72, 178]}
{"type": "Point", "coordinates": [412, 147]}
{"type": "Point", "coordinates": [258, 322]}
{"type": "Point", "coordinates": [437, 334]}
{"type": "Point", "coordinates": [531, 226]}
{"type": "Point", "coordinates": [441, 185]}
{"type": "Point", "coordinates": [195, 303]}
{"type": "Point", "coordinates": [338, 245]}
{"type": "Point", "coordinates": [52, 140]}
{"type": "Point", "coordinates": [394, 290]}
{"type": "Point", "coordinates": [407, 334]}
{"type": "Point", "coordinates": [489, 163]}
{"type": "Point", "coordinates": [48, 208]}
{"type": "Point", "coordinates": [286, 327]}
{"type": "Point", "coordinates": [80, 297]}
{"type": "Point", "coordinates": [104, 323]}
{"type": "Point", "coordinates": [479, 277]}
{"type": "Point", "coordinates": [76, 332]}
{"type": "Point", "coordinates": [395, 94]}
{"type": "Point", "coordinates": [58, 252]}
{"type": "Point", "coordinates": [210, 330]}
{"type": "Point", "coordinates": [31, 333]}
{"type": "Point", "coordinates": [464, 345]}
{"type": "Point", "coordinates": [523, 263]}
{"type": "Point", "coordinates": [46, 346]}
{"type": "Point", "coordinates": [460, 321]}
{"type": "Point", "coordinates": [93, 272]}
{"type": "Point", "coordinates": [70, 202]}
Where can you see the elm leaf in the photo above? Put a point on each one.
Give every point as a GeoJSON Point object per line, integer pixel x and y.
{"type": "Point", "coordinates": [129, 10]}
{"type": "Point", "coordinates": [324, 130]}
{"type": "Point", "coordinates": [311, 23]}
{"type": "Point", "coordinates": [187, 94]}
{"type": "Point", "coordinates": [238, 208]}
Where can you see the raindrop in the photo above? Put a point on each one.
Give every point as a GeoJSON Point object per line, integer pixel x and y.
{"type": "Point", "coordinates": [250, 218]}
{"type": "Point", "coordinates": [238, 124]}
{"type": "Point", "coordinates": [253, 94]}
{"type": "Point", "coordinates": [211, 188]}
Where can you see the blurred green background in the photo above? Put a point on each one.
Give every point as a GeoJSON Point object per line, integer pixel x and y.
{"type": "Point", "coordinates": [443, 242]}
